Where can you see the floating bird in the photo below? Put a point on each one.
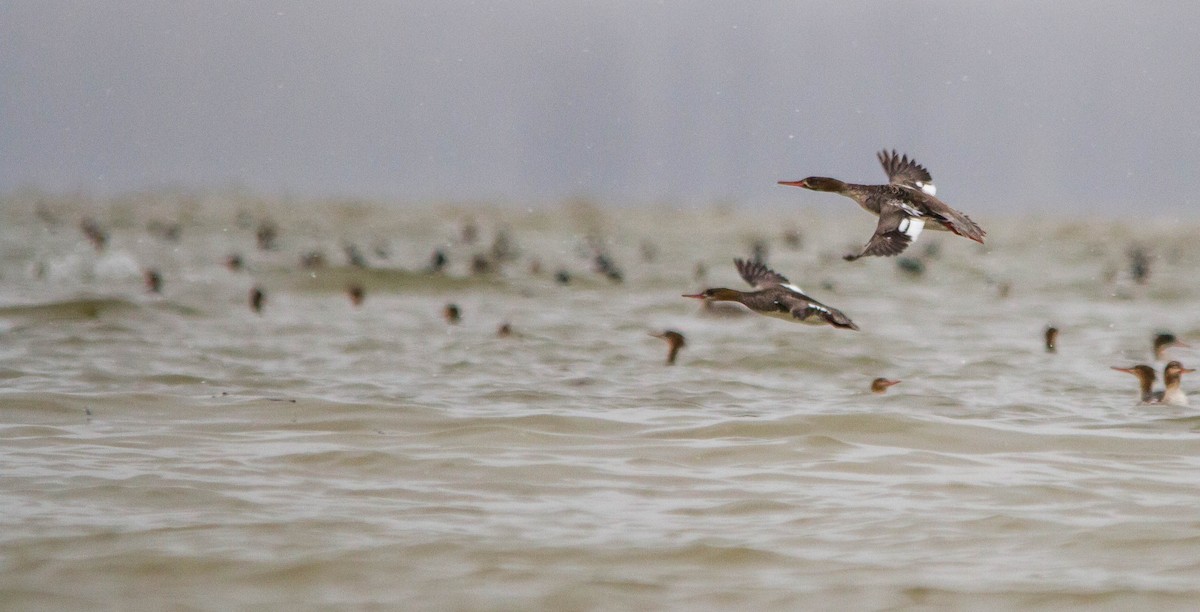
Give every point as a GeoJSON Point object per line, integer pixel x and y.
{"type": "Point", "coordinates": [773, 296]}
{"type": "Point", "coordinates": [452, 314]}
{"type": "Point", "coordinates": [266, 234]}
{"type": "Point", "coordinates": [234, 262]}
{"type": "Point", "coordinates": [480, 264]}
{"type": "Point", "coordinates": [675, 341]}
{"type": "Point", "coordinates": [437, 261]}
{"type": "Point", "coordinates": [1172, 378]}
{"type": "Point", "coordinates": [257, 298]}
{"type": "Point", "coordinates": [1164, 341]}
{"type": "Point", "coordinates": [1146, 376]}
{"type": "Point", "coordinates": [904, 206]}
{"type": "Point", "coordinates": [354, 257]}
{"type": "Point", "coordinates": [153, 280]}
{"type": "Point", "coordinates": [911, 265]}
{"type": "Point", "coordinates": [312, 260]}
{"type": "Point", "coordinates": [505, 330]}
{"type": "Point", "coordinates": [357, 294]}
{"type": "Point", "coordinates": [1051, 339]}
{"type": "Point", "coordinates": [1139, 265]}
{"type": "Point", "coordinates": [880, 385]}
{"type": "Point", "coordinates": [95, 234]}
{"type": "Point", "coordinates": [1173, 373]}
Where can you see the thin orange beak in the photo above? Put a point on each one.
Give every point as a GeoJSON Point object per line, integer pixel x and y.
{"type": "Point", "coordinates": [699, 296]}
{"type": "Point", "coordinates": [794, 183]}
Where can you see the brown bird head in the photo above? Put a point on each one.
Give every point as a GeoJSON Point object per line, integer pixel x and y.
{"type": "Point", "coordinates": [1051, 339]}
{"type": "Point", "coordinates": [675, 341]}
{"type": "Point", "coordinates": [718, 294]}
{"type": "Point", "coordinates": [818, 183]}
{"type": "Point", "coordinates": [1145, 375]}
{"type": "Point", "coordinates": [1174, 371]}
{"type": "Point", "coordinates": [880, 385]}
{"type": "Point", "coordinates": [1164, 341]}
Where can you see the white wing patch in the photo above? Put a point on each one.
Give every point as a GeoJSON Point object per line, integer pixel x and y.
{"type": "Point", "coordinates": [911, 227]}
{"type": "Point", "coordinates": [792, 287]}
{"type": "Point", "coordinates": [927, 187]}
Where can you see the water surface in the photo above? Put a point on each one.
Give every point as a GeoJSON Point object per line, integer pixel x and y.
{"type": "Point", "coordinates": [180, 450]}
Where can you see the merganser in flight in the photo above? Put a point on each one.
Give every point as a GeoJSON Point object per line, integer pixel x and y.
{"type": "Point", "coordinates": [773, 296]}
{"type": "Point", "coordinates": [1173, 373]}
{"type": "Point", "coordinates": [905, 206]}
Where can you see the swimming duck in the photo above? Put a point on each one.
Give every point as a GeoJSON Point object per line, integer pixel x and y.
{"type": "Point", "coordinates": [675, 341]}
{"type": "Point", "coordinates": [905, 206]}
{"type": "Point", "coordinates": [1173, 373]}
{"type": "Point", "coordinates": [1051, 339]}
{"type": "Point", "coordinates": [1173, 377]}
{"type": "Point", "coordinates": [1164, 341]}
{"type": "Point", "coordinates": [880, 385]}
{"type": "Point", "coordinates": [774, 296]}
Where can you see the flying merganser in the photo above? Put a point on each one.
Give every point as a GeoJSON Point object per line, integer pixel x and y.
{"type": "Point", "coordinates": [1173, 373]}
{"type": "Point", "coordinates": [675, 341]}
{"type": "Point", "coordinates": [880, 385]}
{"type": "Point", "coordinates": [904, 206]}
{"type": "Point", "coordinates": [773, 296]}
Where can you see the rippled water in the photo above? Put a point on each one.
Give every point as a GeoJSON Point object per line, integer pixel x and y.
{"type": "Point", "coordinates": [179, 450]}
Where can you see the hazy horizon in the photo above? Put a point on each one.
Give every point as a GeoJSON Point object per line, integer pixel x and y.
{"type": "Point", "coordinates": [1014, 107]}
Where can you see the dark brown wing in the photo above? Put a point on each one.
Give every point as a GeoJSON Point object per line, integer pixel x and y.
{"type": "Point", "coordinates": [949, 218]}
{"type": "Point", "coordinates": [758, 275]}
{"type": "Point", "coordinates": [830, 315]}
{"type": "Point", "coordinates": [904, 171]}
{"type": "Point", "coordinates": [889, 238]}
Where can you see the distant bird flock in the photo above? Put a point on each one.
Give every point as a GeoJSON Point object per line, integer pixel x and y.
{"type": "Point", "coordinates": [905, 206]}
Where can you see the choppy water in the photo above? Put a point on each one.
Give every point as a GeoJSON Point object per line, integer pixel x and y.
{"type": "Point", "coordinates": [179, 450]}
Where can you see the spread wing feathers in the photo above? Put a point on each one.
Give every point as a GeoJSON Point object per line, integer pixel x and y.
{"type": "Point", "coordinates": [904, 171]}
{"type": "Point", "coordinates": [758, 275]}
{"type": "Point", "coordinates": [824, 313]}
{"type": "Point", "coordinates": [896, 230]}
{"type": "Point", "coordinates": [961, 224]}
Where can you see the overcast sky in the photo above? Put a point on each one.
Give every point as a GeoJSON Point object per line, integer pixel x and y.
{"type": "Point", "coordinates": [1024, 106]}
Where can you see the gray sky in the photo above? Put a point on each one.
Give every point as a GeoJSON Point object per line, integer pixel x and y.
{"type": "Point", "coordinates": [1014, 106]}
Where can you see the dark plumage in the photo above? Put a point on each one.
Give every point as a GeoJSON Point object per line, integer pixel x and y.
{"type": "Point", "coordinates": [1051, 339]}
{"type": "Point", "coordinates": [1164, 341]}
{"type": "Point", "coordinates": [880, 385]}
{"type": "Point", "coordinates": [773, 296]}
{"type": "Point", "coordinates": [357, 294]}
{"type": "Point", "coordinates": [904, 206]}
{"type": "Point", "coordinates": [257, 298]}
{"type": "Point", "coordinates": [675, 341]}
{"type": "Point", "coordinates": [1172, 375]}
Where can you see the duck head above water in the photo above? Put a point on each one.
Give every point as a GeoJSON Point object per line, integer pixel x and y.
{"type": "Point", "coordinates": [1145, 375]}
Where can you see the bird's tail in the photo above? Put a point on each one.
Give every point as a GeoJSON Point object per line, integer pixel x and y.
{"type": "Point", "coordinates": [839, 320]}
{"type": "Point", "coordinates": [963, 226]}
